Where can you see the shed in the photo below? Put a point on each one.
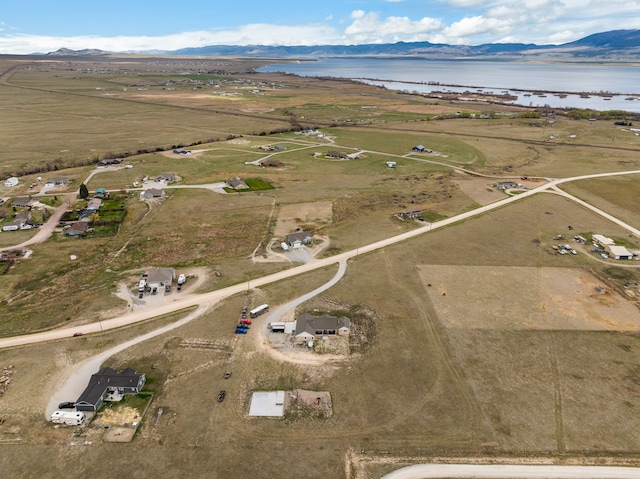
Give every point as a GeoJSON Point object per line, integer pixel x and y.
{"type": "Point", "coordinates": [619, 252]}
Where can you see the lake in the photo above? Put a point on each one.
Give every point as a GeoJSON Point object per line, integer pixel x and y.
{"type": "Point", "coordinates": [559, 85]}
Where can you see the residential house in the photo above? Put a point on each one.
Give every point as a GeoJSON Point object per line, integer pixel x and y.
{"type": "Point", "coordinates": [410, 214]}
{"type": "Point", "coordinates": [109, 381]}
{"type": "Point", "coordinates": [94, 204]}
{"type": "Point", "coordinates": [100, 193]}
{"type": "Point", "coordinates": [237, 183]}
{"type": "Point", "coordinates": [310, 327]}
{"type": "Point", "coordinates": [86, 214]}
{"type": "Point", "coordinates": [77, 229]}
{"type": "Point", "coordinates": [61, 181]}
{"type": "Point", "coordinates": [271, 164]}
{"type": "Point", "coordinates": [110, 161]}
{"type": "Point", "coordinates": [336, 154]}
{"type": "Point", "coordinates": [297, 240]}
{"type": "Point", "coordinates": [160, 277]}
{"type": "Point", "coordinates": [21, 202]}
{"type": "Point", "coordinates": [152, 193]}
{"type": "Point", "coordinates": [165, 178]}
{"type": "Point", "coordinates": [418, 149]}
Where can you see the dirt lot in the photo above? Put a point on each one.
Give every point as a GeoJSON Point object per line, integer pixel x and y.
{"type": "Point", "coordinates": [318, 214]}
{"type": "Point", "coordinates": [525, 298]}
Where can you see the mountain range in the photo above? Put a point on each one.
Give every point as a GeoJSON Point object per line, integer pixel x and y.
{"type": "Point", "coordinates": [615, 45]}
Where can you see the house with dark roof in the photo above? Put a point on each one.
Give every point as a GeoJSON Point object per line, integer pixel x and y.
{"type": "Point", "coordinates": [109, 381]}
{"type": "Point", "coordinates": [110, 161]}
{"type": "Point", "coordinates": [21, 202]}
{"type": "Point", "coordinates": [297, 240]}
{"type": "Point", "coordinates": [271, 164]}
{"type": "Point", "coordinates": [310, 327]}
{"type": "Point", "coordinates": [336, 154]}
{"type": "Point", "coordinates": [77, 229]}
{"type": "Point", "coordinates": [165, 178]}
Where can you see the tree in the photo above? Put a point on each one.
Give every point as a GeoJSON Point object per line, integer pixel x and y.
{"type": "Point", "coordinates": [84, 192]}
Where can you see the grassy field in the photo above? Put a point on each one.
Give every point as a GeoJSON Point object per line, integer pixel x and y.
{"type": "Point", "coordinates": [480, 341]}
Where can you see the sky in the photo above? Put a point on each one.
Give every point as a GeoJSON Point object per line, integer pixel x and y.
{"type": "Point", "coordinates": [41, 26]}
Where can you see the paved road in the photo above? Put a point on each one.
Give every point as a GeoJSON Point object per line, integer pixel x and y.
{"type": "Point", "coordinates": [215, 296]}
{"type": "Point", "coordinates": [459, 471]}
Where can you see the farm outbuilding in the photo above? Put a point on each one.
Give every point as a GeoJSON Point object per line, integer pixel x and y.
{"type": "Point", "coordinates": [619, 252]}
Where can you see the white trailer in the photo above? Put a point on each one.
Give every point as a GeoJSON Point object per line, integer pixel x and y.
{"type": "Point", "coordinates": [68, 418]}
{"type": "Point", "coordinates": [255, 312]}
{"type": "Point", "coordinates": [277, 327]}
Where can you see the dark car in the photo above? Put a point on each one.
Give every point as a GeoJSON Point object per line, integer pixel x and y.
{"type": "Point", "coordinates": [75, 335]}
{"type": "Point", "coordinates": [66, 405]}
{"type": "Point", "coordinates": [140, 295]}
{"type": "Point", "coordinates": [221, 396]}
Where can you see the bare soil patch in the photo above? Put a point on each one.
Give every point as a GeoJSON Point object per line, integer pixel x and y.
{"type": "Point", "coordinates": [479, 190]}
{"type": "Point", "coordinates": [318, 213]}
{"type": "Point", "coordinates": [525, 298]}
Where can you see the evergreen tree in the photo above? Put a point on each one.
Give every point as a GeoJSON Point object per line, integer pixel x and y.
{"type": "Point", "coordinates": [84, 192]}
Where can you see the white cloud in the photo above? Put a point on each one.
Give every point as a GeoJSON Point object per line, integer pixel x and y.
{"type": "Point", "coordinates": [527, 21]}
{"type": "Point", "coordinates": [370, 28]}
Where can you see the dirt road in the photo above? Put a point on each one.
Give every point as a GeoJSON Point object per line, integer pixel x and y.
{"type": "Point", "coordinates": [45, 230]}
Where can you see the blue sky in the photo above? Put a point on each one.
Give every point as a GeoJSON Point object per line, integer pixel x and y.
{"type": "Point", "coordinates": [28, 26]}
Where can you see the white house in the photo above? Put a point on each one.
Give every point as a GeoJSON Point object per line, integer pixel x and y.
{"type": "Point", "coordinates": [13, 181]}
{"type": "Point", "coordinates": [603, 240]}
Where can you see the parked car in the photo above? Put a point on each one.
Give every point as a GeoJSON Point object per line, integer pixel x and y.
{"type": "Point", "coordinates": [243, 326]}
{"type": "Point", "coordinates": [66, 405]}
{"type": "Point", "coordinates": [167, 288]}
{"type": "Point", "coordinates": [245, 321]}
{"type": "Point", "coordinates": [241, 331]}
{"type": "Point", "coordinates": [140, 295]}
{"type": "Point", "coordinates": [221, 396]}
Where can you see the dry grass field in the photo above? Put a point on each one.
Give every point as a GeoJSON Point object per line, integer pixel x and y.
{"type": "Point", "coordinates": [472, 341]}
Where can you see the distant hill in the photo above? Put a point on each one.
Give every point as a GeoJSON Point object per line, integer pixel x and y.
{"type": "Point", "coordinates": [65, 52]}
{"type": "Point", "coordinates": [616, 45]}
{"type": "Point", "coordinates": [622, 45]}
